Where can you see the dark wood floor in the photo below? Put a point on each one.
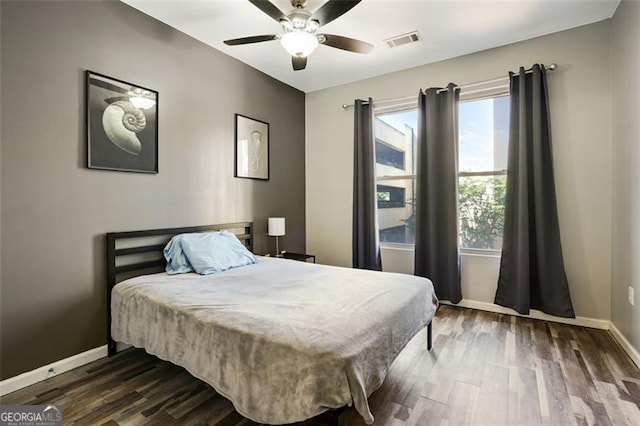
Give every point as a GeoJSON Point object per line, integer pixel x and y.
{"type": "Point", "coordinates": [485, 369]}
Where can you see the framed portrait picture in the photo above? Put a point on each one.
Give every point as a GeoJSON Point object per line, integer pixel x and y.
{"type": "Point", "coordinates": [252, 148]}
{"type": "Point", "coordinates": [122, 125]}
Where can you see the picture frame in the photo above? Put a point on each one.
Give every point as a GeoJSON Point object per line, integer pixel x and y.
{"type": "Point", "coordinates": [122, 125]}
{"type": "Point", "coordinates": [251, 148]}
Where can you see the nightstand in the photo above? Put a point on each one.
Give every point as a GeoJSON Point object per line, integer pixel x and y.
{"type": "Point", "coordinates": [298, 256]}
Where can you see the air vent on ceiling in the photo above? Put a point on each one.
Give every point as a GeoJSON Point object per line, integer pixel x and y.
{"type": "Point", "coordinates": [396, 41]}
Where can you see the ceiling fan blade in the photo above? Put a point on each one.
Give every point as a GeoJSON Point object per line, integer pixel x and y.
{"type": "Point", "coordinates": [346, 43]}
{"type": "Point", "coordinates": [333, 9]}
{"type": "Point", "coordinates": [267, 7]}
{"type": "Point", "coordinates": [249, 40]}
{"type": "Point", "coordinates": [299, 63]}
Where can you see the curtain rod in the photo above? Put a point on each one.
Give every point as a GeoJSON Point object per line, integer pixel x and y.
{"type": "Point", "coordinates": [551, 67]}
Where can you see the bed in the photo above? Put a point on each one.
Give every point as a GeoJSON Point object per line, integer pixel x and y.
{"type": "Point", "coordinates": [283, 340]}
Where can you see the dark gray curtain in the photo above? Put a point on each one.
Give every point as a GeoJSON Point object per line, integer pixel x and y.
{"type": "Point", "coordinates": [366, 246]}
{"type": "Point", "coordinates": [436, 229]}
{"type": "Point", "coordinates": [532, 274]}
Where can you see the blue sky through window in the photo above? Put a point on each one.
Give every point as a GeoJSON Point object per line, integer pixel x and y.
{"type": "Point", "coordinates": [483, 132]}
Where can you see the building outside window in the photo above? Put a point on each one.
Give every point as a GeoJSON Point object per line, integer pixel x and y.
{"type": "Point", "coordinates": [395, 170]}
{"type": "Point", "coordinates": [482, 148]}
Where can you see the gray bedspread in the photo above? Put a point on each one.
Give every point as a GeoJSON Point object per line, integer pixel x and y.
{"type": "Point", "coordinates": [283, 340]}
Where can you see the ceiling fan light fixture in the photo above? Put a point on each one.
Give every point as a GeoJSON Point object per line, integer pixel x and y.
{"type": "Point", "coordinates": [311, 26]}
{"type": "Point", "coordinates": [298, 22]}
{"type": "Point", "coordinates": [299, 43]}
{"type": "Point", "coordinates": [299, 27]}
{"type": "Point", "coordinates": [286, 25]}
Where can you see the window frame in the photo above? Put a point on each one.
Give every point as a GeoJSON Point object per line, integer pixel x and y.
{"type": "Point", "coordinates": [498, 92]}
{"type": "Point", "coordinates": [470, 96]}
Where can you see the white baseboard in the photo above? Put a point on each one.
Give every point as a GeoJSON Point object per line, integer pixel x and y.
{"type": "Point", "coordinates": [580, 321]}
{"type": "Point", "coordinates": [29, 378]}
{"type": "Point", "coordinates": [490, 307]}
{"type": "Point", "coordinates": [625, 344]}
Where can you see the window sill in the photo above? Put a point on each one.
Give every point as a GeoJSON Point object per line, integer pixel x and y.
{"type": "Point", "coordinates": [397, 246]}
{"type": "Point", "coordinates": [481, 252]}
{"type": "Point", "coordinates": [463, 252]}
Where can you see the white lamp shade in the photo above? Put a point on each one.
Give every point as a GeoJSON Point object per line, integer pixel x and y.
{"type": "Point", "coordinates": [299, 43]}
{"type": "Point", "coordinates": [276, 226]}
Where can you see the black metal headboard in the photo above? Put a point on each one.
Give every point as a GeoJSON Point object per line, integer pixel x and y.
{"type": "Point", "coordinates": [138, 245]}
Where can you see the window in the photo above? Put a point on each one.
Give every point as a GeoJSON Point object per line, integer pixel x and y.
{"type": "Point", "coordinates": [389, 155]}
{"type": "Point", "coordinates": [391, 196]}
{"type": "Point", "coordinates": [395, 171]}
{"type": "Point", "coordinates": [483, 136]}
{"type": "Point", "coordinates": [482, 162]}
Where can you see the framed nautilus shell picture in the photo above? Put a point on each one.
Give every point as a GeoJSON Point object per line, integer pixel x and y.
{"type": "Point", "coordinates": [252, 148]}
{"type": "Point", "coordinates": [122, 125]}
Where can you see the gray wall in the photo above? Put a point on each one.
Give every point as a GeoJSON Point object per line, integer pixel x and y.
{"type": "Point", "coordinates": [626, 171]}
{"type": "Point", "coordinates": [55, 211]}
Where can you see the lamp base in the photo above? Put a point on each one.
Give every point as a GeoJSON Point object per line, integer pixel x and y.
{"type": "Point", "coordinates": [277, 249]}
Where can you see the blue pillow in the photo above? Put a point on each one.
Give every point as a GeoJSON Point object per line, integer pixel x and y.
{"type": "Point", "coordinates": [213, 252]}
{"type": "Point", "coordinates": [177, 262]}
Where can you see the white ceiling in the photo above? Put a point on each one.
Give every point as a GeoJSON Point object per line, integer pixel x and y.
{"type": "Point", "coordinates": [448, 28]}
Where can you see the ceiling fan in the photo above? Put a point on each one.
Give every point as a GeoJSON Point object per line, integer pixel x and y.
{"type": "Point", "coordinates": [300, 26]}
